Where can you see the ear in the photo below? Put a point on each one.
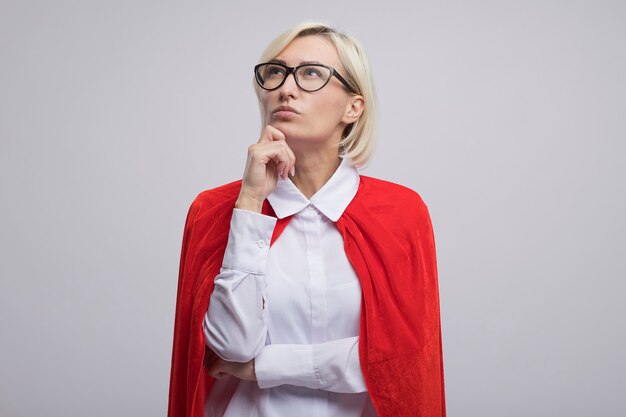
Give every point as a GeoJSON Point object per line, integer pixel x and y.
{"type": "Point", "coordinates": [354, 109]}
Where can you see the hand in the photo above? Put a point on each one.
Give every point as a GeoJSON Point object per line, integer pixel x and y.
{"type": "Point", "coordinates": [219, 368]}
{"type": "Point", "coordinates": [268, 159]}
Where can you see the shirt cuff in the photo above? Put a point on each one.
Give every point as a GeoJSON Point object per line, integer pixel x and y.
{"type": "Point", "coordinates": [285, 364]}
{"type": "Point", "coordinates": [248, 241]}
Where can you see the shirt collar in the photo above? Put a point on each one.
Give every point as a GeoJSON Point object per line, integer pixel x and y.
{"type": "Point", "coordinates": [332, 199]}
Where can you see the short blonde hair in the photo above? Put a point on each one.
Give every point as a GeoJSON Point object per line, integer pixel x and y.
{"type": "Point", "coordinates": [359, 138]}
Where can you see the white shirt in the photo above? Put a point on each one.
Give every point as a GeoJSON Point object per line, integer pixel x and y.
{"type": "Point", "coordinates": [295, 308]}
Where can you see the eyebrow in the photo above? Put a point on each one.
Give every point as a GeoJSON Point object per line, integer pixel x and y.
{"type": "Point", "coordinates": [280, 61]}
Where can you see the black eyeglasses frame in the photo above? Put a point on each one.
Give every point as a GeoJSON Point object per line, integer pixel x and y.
{"type": "Point", "coordinates": [292, 70]}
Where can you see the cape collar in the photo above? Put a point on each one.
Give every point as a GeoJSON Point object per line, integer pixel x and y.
{"type": "Point", "coordinates": [332, 199]}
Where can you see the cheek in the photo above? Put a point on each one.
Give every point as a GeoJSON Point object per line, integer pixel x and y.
{"type": "Point", "coordinates": [264, 109]}
{"type": "Point", "coordinates": [331, 110]}
{"type": "Point", "coordinates": [265, 105]}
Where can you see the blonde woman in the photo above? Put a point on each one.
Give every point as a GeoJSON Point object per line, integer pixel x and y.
{"type": "Point", "coordinates": [305, 288]}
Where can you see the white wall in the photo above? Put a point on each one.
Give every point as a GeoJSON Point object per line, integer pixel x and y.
{"type": "Point", "coordinates": [507, 117]}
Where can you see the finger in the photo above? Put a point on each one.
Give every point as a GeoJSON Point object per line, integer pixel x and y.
{"type": "Point", "coordinates": [264, 152]}
{"type": "Point", "coordinates": [281, 158]}
{"type": "Point", "coordinates": [270, 133]}
{"type": "Point", "coordinates": [277, 134]}
{"type": "Point", "coordinates": [292, 160]}
{"type": "Point", "coordinates": [279, 155]}
{"type": "Point", "coordinates": [280, 167]}
{"type": "Point", "coordinates": [266, 136]}
{"type": "Point", "coordinates": [211, 371]}
{"type": "Point", "coordinates": [289, 159]}
{"type": "Point", "coordinates": [216, 368]}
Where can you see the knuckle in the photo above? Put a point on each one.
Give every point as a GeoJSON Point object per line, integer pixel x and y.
{"type": "Point", "coordinates": [268, 130]}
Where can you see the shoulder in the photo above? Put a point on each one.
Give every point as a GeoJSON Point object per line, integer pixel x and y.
{"type": "Point", "coordinates": [391, 195]}
{"type": "Point", "coordinates": [396, 207]}
{"type": "Point", "coordinates": [215, 199]}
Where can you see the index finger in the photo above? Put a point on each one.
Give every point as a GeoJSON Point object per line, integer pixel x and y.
{"type": "Point", "coordinates": [270, 133]}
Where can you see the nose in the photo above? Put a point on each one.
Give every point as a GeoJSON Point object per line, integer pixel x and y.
{"type": "Point", "coordinates": [289, 87]}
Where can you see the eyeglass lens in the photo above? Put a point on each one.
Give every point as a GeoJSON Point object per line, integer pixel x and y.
{"type": "Point", "coordinates": [308, 77]}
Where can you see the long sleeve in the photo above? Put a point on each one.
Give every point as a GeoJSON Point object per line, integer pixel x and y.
{"type": "Point", "coordinates": [235, 324]}
{"type": "Point", "coordinates": [330, 366]}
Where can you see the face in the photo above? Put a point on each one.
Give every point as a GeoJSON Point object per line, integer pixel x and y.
{"type": "Point", "coordinates": [318, 116]}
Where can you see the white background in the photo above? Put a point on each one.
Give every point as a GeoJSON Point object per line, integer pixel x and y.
{"type": "Point", "coordinates": [507, 117]}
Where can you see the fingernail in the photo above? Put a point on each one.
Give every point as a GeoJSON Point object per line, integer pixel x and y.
{"type": "Point", "coordinates": [293, 170]}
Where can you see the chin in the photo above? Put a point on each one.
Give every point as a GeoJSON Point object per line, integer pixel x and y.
{"type": "Point", "coordinates": [288, 128]}
{"type": "Point", "coordinates": [294, 132]}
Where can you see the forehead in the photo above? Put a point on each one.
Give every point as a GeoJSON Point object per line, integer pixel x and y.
{"type": "Point", "coordinates": [310, 48]}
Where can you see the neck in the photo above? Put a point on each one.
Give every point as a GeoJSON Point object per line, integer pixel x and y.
{"type": "Point", "coordinates": [314, 169]}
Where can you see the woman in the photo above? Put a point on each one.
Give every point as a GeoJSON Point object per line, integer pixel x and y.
{"type": "Point", "coordinates": [306, 288]}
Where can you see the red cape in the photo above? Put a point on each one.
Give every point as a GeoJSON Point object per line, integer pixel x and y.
{"type": "Point", "coordinates": [388, 239]}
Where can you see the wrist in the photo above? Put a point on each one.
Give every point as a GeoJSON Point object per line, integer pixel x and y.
{"type": "Point", "coordinates": [248, 203]}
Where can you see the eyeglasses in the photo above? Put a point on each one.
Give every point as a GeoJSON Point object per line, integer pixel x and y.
{"type": "Point", "coordinates": [309, 77]}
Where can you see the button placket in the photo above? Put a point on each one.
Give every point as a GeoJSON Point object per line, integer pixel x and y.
{"type": "Point", "coordinates": [316, 276]}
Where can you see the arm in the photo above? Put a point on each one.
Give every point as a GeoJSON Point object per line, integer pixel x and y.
{"type": "Point", "coordinates": [330, 366]}
{"type": "Point", "coordinates": [235, 324]}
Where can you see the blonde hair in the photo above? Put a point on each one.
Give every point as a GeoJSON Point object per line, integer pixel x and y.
{"type": "Point", "coordinates": [359, 138]}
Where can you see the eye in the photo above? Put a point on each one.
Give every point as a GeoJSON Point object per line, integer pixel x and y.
{"type": "Point", "coordinates": [312, 72]}
{"type": "Point", "coordinates": [274, 71]}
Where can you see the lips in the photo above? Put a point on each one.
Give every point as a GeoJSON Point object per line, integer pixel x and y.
{"type": "Point", "coordinates": [285, 110]}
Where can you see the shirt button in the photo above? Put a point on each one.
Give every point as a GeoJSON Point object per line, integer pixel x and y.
{"type": "Point", "coordinates": [261, 243]}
